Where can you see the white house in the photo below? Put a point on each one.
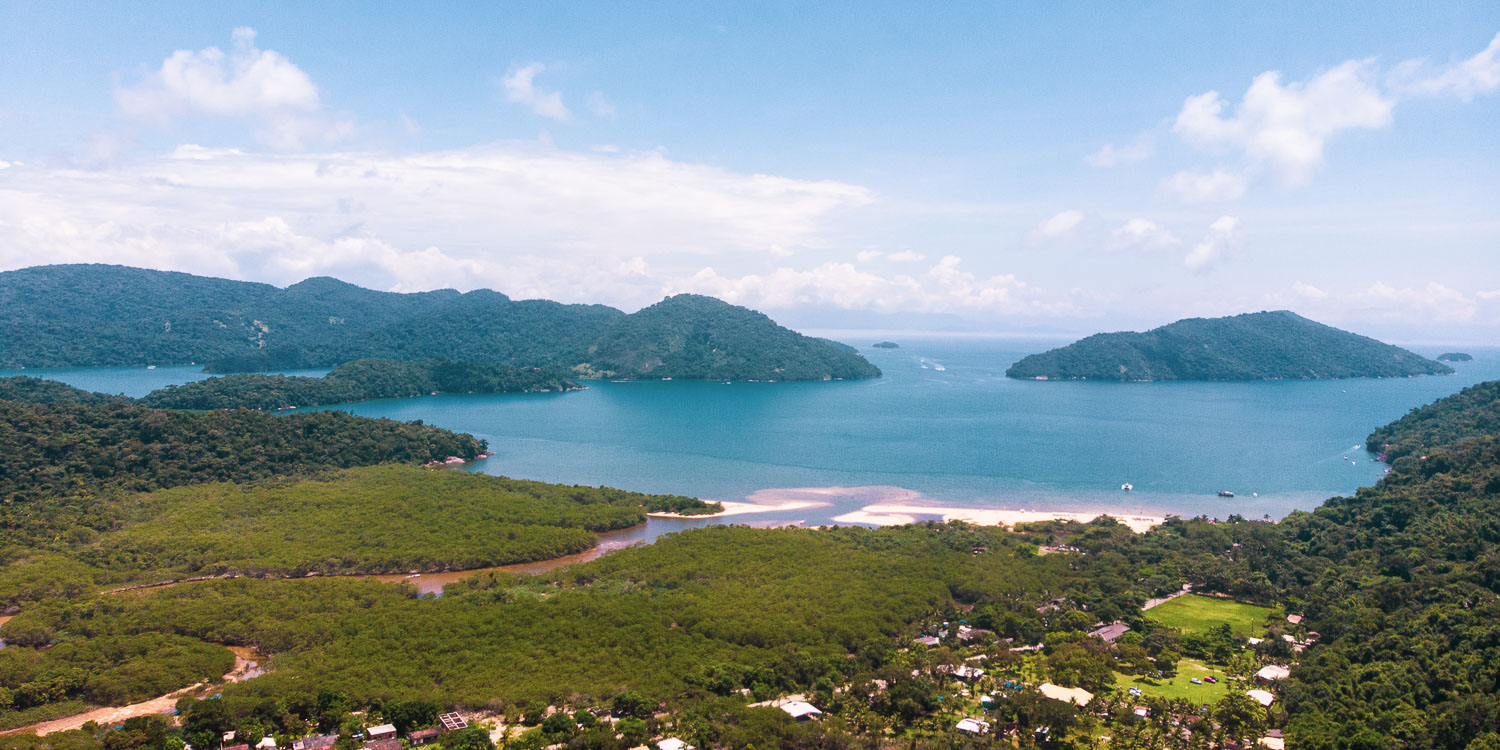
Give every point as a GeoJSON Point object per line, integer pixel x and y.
{"type": "Point", "coordinates": [966, 672]}
{"type": "Point", "coordinates": [801, 710]}
{"type": "Point", "coordinates": [1262, 697]}
{"type": "Point", "coordinates": [266, 743]}
{"type": "Point", "coordinates": [672, 743]}
{"type": "Point", "coordinates": [973, 726]}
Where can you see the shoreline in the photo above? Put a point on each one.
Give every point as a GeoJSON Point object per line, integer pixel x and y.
{"type": "Point", "coordinates": [896, 514]}
{"type": "Point", "coordinates": [740, 508]}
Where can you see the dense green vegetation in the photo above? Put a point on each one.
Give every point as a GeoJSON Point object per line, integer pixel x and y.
{"type": "Point", "coordinates": [108, 670]}
{"type": "Point", "coordinates": [696, 337]}
{"type": "Point", "coordinates": [886, 345]}
{"type": "Point", "coordinates": [88, 315]}
{"type": "Point", "coordinates": [1455, 357]}
{"type": "Point", "coordinates": [38, 391]}
{"type": "Point", "coordinates": [361, 380]}
{"type": "Point", "coordinates": [1256, 346]}
{"type": "Point", "coordinates": [1473, 411]}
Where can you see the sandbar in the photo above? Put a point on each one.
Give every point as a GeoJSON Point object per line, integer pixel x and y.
{"type": "Point", "coordinates": [889, 515]}
{"type": "Point", "coordinates": [732, 508]}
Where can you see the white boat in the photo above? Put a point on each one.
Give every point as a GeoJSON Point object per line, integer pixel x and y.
{"type": "Point", "coordinates": [1127, 486]}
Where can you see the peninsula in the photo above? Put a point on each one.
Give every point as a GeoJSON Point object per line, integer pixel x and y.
{"type": "Point", "coordinates": [1277, 345]}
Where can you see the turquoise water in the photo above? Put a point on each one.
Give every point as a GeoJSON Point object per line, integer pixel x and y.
{"type": "Point", "coordinates": [944, 422]}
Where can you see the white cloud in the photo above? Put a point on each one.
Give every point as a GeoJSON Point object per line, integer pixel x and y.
{"type": "Point", "coordinates": [520, 87]}
{"type": "Point", "coordinates": [1308, 291]}
{"type": "Point", "coordinates": [1058, 226]}
{"type": "Point", "coordinates": [247, 82]}
{"type": "Point", "coordinates": [601, 107]}
{"type": "Point", "coordinates": [944, 288]}
{"type": "Point", "coordinates": [520, 218]}
{"type": "Point", "coordinates": [1131, 153]}
{"type": "Point", "coordinates": [1489, 295]}
{"type": "Point", "coordinates": [906, 256]}
{"type": "Point", "coordinates": [1288, 125]}
{"type": "Point", "coordinates": [1142, 233]}
{"type": "Point", "coordinates": [1205, 187]}
{"type": "Point", "coordinates": [1222, 238]}
{"type": "Point", "coordinates": [1432, 301]}
{"type": "Point", "coordinates": [1479, 74]}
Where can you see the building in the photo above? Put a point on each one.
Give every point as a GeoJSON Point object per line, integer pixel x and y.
{"type": "Point", "coordinates": [1262, 697]}
{"type": "Point", "coordinates": [1272, 740]}
{"type": "Point", "coordinates": [973, 726]}
{"type": "Point", "coordinates": [1271, 673]}
{"type": "Point", "coordinates": [423, 736]}
{"type": "Point", "coordinates": [1076, 696]}
{"type": "Point", "coordinates": [266, 743]}
{"type": "Point", "coordinates": [966, 672]}
{"type": "Point", "coordinates": [801, 710]}
{"type": "Point", "coordinates": [672, 743]}
{"type": "Point", "coordinates": [927, 641]}
{"type": "Point", "coordinates": [1294, 619]}
{"type": "Point", "coordinates": [452, 722]}
{"type": "Point", "coordinates": [1111, 633]}
{"type": "Point", "coordinates": [385, 743]}
{"type": "Point", "coordinates": [318, 742]}
{"type": "Point", "coordinates": [380, 732]}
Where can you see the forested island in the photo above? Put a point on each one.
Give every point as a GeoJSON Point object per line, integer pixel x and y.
{"type": "Point", "coordinates": [1369, 622]}
{"type": "Point", "coordinates": [1455, 357]}
{"type": "Point", "coordinates": [98, 315]}
{"type": "Point", "coordinates": [886, 345]}
{"type": "Point", "coordinates": [1277, 345]}
{"type": "Point", "coordinates": [361, 380]}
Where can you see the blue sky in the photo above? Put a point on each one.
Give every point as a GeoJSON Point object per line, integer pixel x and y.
{"type": "Point", "coordinates": [996, 167]}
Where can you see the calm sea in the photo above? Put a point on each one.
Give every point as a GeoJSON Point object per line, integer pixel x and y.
{"type": "Point", "coordinates": [944, 423]}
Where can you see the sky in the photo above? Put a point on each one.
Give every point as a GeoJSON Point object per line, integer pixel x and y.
{"type": "Point", "coordinates": [1007, 167]}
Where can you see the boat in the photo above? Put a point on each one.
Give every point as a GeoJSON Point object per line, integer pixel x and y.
{"type": "Point", "coordinates": [1127, 486]}
{"type": "Point", "coordinates": [150, 367]}
{"type": "Point", "coordinates": [1225, 493]}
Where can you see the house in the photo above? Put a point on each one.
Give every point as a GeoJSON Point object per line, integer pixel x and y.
{"type": "Point", "coordinates": [424, 736]}
{"type": "Point", "coordinates": [1111, 633]}
{"type": "Point", "coordinates": [966, 672]}
{"type": "Point", "coordinates": [966, 633]}
{"type": "Point", "coordinates": [1262, 697]}
{"type": "Point", "coordinates": [1254, 642]}
{"type": "Point", "coordinates": [672, 743]}
{"type": "Point", "coordinates": [266, 743]}
{"type": "Point", "coordinates": [1141, 711]}
{"type": "Point", "coordinates": [318, 742]}
{"type": "Point", "coordinates": [1294, 619]}
{"type": "Point", "coordinates": [227, 738]}
{"type": "Point", "coordinates": [1076, 696]}
{"type": "Point", "coordinates": [1273, 740]}
{"type": "Point", "coordinates": [452, 722]}
{"type": "Point", "coordinates": [973, 726]}
{"type": "Point", "coordinates": [380, 732]}
{"type": "Point", "coordinates": [801, 710]}
{"type": "Point", "coordinates": [927, 641]}
{"type": "Point", "coordinates": [238, 747]}
{"type": "Point", "coordinates": [1271, 673]}
{"type": "Point", "coordinates": [386, 743]}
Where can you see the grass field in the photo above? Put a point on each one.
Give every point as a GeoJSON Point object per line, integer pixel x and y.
{"type": "Point", "coordinates": [1199, 614]}
{"type": "Point", "coordinates": [1179, 686]}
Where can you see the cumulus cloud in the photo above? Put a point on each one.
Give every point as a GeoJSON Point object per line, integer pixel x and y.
{"type": "Point", "coordinates": [520, 88]}
{"type": "Point", "coordinates": [1205, 187]}
{"type": "Point", "coordinates": [1222, 238]}
{"type": "Point", "coordinates": [601, 106]}
{"type": "Point", "coordinates": [1288, 125]}
{"type": "Point", "coordinates": [1111, 155]}
{"type": "Point", "coordinates": [1142, 233]}
{"type": "Point", "coordinates": [1308, 291]}
{"type": "Point", "coordinates": [1479, 74]}
{"type": "Point", "coordinates": [1060, 225]}
{"type": "Point", "coordinates": [522, 218]}
{"type": "Point", "coordinates": [245, 82]}
{"type": "Point", "coordinates": [943, 288]}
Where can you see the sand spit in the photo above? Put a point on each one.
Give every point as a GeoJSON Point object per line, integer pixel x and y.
{"type": "Point", "coordinates": [889, 514]}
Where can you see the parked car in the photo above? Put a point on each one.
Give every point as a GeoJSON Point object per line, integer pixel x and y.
{"type": "Point", "coordinates": [1135, 691]}
{"type": "Point", "coordinates": [1210, 679]}
{"type": "Point", "coordinates": [1196, 681]}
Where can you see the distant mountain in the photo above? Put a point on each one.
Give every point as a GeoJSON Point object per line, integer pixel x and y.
{"type": "Point", "coordinates": [99, 315]}
{"type": "Point", "coordinates": [697, 337]}
{"type": "Point", "coordinates": [1255, 346]}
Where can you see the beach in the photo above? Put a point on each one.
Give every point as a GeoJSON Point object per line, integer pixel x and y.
{"type": "Point", "coordinates": [891, 515]}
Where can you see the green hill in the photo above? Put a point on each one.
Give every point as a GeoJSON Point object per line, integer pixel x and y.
{"type": "Point", "coordinates": [1277, 345]}
{"type": "Point", "coordinates": [697, 337]}
{"type": "Point", "coordinates": [98, 315]}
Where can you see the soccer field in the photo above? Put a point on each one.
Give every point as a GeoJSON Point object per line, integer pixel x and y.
{"type": "Point", "coordinates": [1199, 614]}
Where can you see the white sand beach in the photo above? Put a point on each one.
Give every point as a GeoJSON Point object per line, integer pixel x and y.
{"type": "Point", "coordinates": [732, 508]}
{"type": "Point", "coordinates": [889, 514]}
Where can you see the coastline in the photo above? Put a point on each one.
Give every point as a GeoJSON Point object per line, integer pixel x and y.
{"type": "Point", "coordinates": [733, 508]}
{"type": "Point", "coordinates": [894, 515]}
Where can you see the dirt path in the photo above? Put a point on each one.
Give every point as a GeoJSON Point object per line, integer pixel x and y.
{"type": "Point", "coordinates": [1187, 588]}
{"type": "Point", "coordinates": [246, 666]}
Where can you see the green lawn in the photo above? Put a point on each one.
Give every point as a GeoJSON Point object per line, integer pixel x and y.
{"type": "Point", "coordinates": [1179, 686]}
{"type": "Point", "coordinates": [1199, 614]}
